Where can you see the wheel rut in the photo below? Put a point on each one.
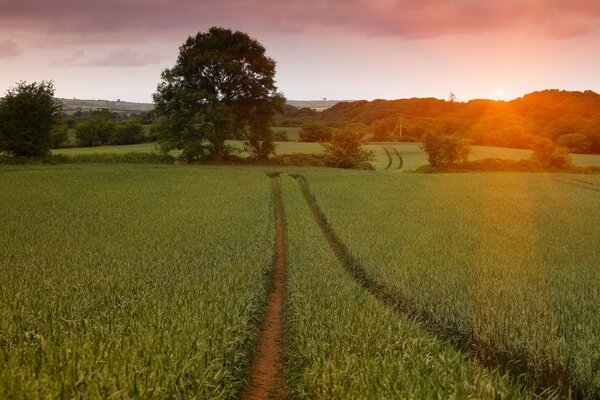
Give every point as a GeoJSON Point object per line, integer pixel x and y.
{"type": "Point", "coordinates": [399, 157]}
{"type": "Point", "coordinates": [266, 375]}
{"type": "Point", "coordinates": [578, 183]}
{"type": "Point", "coordinates": [465, 340]}
{"type": "Point", "coordinates": [389, 156]}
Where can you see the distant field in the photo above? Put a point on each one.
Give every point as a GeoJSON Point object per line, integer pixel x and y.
{"type": "Point", "coordinates": [411, 153]}
{"type": "Point", "coordinates": [293, 133]}
{"type": "Point", "coordinates": [317, 105]}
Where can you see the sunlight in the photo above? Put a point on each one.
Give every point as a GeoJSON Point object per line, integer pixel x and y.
{"type": "Point", "coordinates": [500, 94]}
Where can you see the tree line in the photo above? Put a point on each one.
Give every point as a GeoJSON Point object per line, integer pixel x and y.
{"type": "Point", "coordinates": [569, 119]}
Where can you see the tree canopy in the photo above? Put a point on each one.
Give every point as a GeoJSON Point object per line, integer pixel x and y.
{"type": "Point", "coordinates": [28, 113]}
{"type": "Point", "coordinates": [222, 87]}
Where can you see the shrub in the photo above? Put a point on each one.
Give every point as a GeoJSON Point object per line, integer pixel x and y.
{"type": "Point", "coordinates": [130, 132]}
{"type": "Point", "coordinates": [445, 150]}
{"type": "Point", "coordinates": [96, 131]}
{"type": "Point", "coordinates": [27, 114]}
{"type": "Point", "coordinates": [344, 150]}
{"type": "Point", "coordinates": [314, 132]}
{"type": "Point", "coordinates": [59, 136]}
{"type": "Point", "coordinates": [550, 156]}
{"type": "Point", "coordinates": [281, 135]}
{"type": "Point", "coordinates": [575, 142]}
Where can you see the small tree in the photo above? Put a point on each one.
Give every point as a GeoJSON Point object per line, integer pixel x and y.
{"type": "Point", "coordinates": [27, 114]}
{"type": "Point", "coordinates": [445, 149]}
{"type": "Point", "coordinates": [344, 149]}
{"type": "Point", "coordinates": [129, 132]}
{"type": "Point", "coordinates": [96, 131]}
{"type": "Point", "coordinates": [314, 132]}
{"type": "Point", "coordinates": [550, 156]}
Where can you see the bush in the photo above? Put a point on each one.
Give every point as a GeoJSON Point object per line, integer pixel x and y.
{"type": "Point", "coordinates": [59, 136]}
{"type": "Point", "coordinates": [344, 150]}
{"type": "Point", "coordinates": [130, 132]}
{"type": "Point", "coordinates": [96, 131]}
{"type": "Point", "coordinates": [314, 132]}
{"type": "Point", "coordinates": [445, 150]}
{"type": "Point", "coordinates": [550, 156]}
{"type": "Point", "coordinates": [27, 114]}
{"type": "Point", "coordinates": [281, 135]}
{"type": "Point", "coordinates": [575, 142]}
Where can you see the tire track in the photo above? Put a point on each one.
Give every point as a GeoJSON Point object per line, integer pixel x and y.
{"type": "Point", "coordinates": [399, 157]}
{"type": "Point", "coordinates": [466, 340]}
{"type": "Point", "coordinates": [389, 156]}
{"type": "Point", "coordinates": [578, 183]}
{"type": "Point", "coordinates": [266, 375]}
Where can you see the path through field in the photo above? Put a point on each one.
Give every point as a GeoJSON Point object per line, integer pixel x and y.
{"type": "Point", "coordinates": [266, 381]}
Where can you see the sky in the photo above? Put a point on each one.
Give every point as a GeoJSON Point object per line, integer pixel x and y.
{"type": "Point", "coordinates": [335, 49]}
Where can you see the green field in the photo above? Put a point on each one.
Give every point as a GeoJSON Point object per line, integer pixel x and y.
{"type": "Point", "coordinates": [130, 281]}
{"type": "Point", "coordinates": [151, 281]}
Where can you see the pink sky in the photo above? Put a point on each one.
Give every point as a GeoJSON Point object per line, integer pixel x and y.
{"type": "Point", "coordinates": [339, 49]}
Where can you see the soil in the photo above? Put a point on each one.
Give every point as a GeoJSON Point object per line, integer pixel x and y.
{"type": "Point", "coordinates": [266, 380]}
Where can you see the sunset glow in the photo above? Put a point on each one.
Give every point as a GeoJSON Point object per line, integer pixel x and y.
{"type": "Point", "coordinates": [338, 49]}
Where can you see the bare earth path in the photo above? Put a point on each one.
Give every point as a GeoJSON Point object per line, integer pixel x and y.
{"type": "Point", "coordinates": [266, 380]}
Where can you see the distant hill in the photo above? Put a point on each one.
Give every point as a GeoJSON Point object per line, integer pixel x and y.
{"type": "Point", "coordinates": [317, 105]}
{"type": "Point", "coordinates": [569, 118]}
{"type": "Point", "coordinates": [73, 105]}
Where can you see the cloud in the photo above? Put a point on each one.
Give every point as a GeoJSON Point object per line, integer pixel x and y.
{"type": "Point", "coordinates": [118, 58]}
{"type": "Point", "coordinates": [398, 18]}
{"type": "Point", "coordinates": [125, 58]}
{"type": "Point", "coordinates": [9, 49]}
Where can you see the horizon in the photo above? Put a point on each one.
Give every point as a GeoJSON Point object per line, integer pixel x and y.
{"type": "Point", "coordinates": [385, 49]}
{"type": "Point", "coordinates": [353, 100]}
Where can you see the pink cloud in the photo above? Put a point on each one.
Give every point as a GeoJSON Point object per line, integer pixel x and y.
{"type": "Point", "coordinates": [400, 18]}
{"type": "Point", "coordinates": [117, 58]}
{"type": "Point", "coordinates": [9, 49]}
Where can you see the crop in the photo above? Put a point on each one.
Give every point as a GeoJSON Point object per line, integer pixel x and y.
{"type": "Point", "coordinates": [340, 342]}
{"type": "Point", "coordinates": [506, 264]}
{"type": "Point", "coordinates": [131, 281]}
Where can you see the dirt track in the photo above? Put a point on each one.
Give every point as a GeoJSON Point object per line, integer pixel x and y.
{"type": "Point", "coordinates": [266, 380]}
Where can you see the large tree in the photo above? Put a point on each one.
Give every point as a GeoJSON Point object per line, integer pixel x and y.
{"type": "Point", "coordinates": [222, 87]}
{"type": "Point", "coordinates": [28, 113]}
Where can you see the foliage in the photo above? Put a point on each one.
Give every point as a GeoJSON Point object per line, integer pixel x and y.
{"type": "Point", "coordinates": [222, 87]}
{"type": "Point", "coordinates": [129, 132]}
{"type": "Point", "coordinates": [281, 135]}
{"type": "Point", "coordinates": [575, 142]}
{"type": "Point", "coordinates": [345, 149]}
{"type": "Point", "coordinates": [445, 149]}
{"type": "Point", "coordinates": [517, 123]}
{"type": "Point", "coordinates": [314, 132]}
{"type": "Point", "coordinates": [28, 113]}
{"type": "Point", "coordinates": [96, 131]}
{"type": "Point", "coordinates": [550, 156]}
{"type": "Point", "coordinates": [59, 136]}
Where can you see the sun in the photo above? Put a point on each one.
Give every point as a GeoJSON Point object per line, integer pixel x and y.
{"type": "Point", "coordinates": [500, 93]}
